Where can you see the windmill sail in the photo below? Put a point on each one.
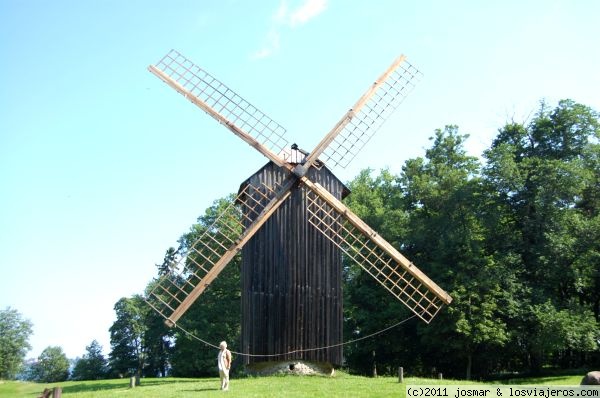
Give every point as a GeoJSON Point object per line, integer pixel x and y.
{"type": "Point", "coordinates": [374, 255]}
{"type": "Point", "coordinates": [177, 289]}
{"type": "Point", "coordinates": [223, 104]}
{"type": "Point", "coordinates": [369, 113]}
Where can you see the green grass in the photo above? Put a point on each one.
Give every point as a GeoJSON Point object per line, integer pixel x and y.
{"type": "Point", "coordinates": [342, 385]}
{"type": "Point", "coordinates": [564, 380]}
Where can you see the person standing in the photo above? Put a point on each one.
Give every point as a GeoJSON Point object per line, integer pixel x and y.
{"type": "Point", "coordinates": [224, 363]}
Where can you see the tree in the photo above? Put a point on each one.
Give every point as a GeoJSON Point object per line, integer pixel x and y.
{"type": "Point", "coordinates": [140, 341]}
{"type": "Point", "coordinates": [128, 354]}
{"type": "Point", "coordinates": [158, 344]}
{"type": "Point", "coordinates": [540, 170]}
{"type": "Point", "coordinates": [558, 331]}
{"type": "Point", "coordinates": [447, 206]}
{"type": "Point", "coordinates": [433, 213]}
{"type": "Point", "coordinates": [93, 364]}
{"type": "Point", "coordinates": [52, 365]}
{"type": "Point", "coordinates": [14, 342]}
{"type": "Point", "coordinates": [368, 307]}
{"type": "Point", "coordinates": [545, 174]}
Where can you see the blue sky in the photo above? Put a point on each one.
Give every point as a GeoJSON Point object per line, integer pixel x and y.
{"type": "Point", "coordinates": [103, 167]}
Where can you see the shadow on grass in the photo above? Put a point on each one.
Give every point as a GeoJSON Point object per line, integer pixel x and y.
{"type": "Point", "coordinates": [202, 389]}
{"type": "Point", "coordinates": [90, 386]}
{"type": "Point", "coordinates": [548, 376]}
{"type": "Point", "coordinates": [542, 380]}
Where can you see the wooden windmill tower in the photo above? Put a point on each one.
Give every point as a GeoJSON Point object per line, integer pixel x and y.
{"type": "Point", "coordinates": [292, 276]}
{"type": "Point", "coordinates": [291, 226]}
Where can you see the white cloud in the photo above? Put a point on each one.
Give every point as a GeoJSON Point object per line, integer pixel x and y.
{"type": "Point", "coordinates": [306, 12]}
{"type": "Point", "coordinates": [291, 19]}
{"type": "Point", "coordinates": [281, 14]}
{"type": "Point", "coordinates": [271, 45]}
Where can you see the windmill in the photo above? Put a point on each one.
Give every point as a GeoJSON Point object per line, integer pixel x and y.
{"type": "Point", "coordinates": [290, 225]}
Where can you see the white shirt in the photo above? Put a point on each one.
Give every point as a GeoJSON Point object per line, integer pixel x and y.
{"type": "Point", "coordinates": [221, 360]}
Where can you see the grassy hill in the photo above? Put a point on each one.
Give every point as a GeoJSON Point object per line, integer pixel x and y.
{"type": "Point", "coordinates": [342, 385]}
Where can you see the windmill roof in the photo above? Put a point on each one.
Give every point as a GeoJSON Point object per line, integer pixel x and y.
{"type": "Point", "coordinates": [323, 169]}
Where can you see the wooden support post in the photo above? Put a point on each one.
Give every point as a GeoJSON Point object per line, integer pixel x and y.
{"type": "Point", "coordinates": [374, 365]}
{"type": "Point", "coordinates": [46, 393]}
{"type": "Point", "coordinates": [440, 376]}
{"type": "Point", "coordinates": [400, 374]}
{"type": "Point", "coordinates": [132, 382]}
{"type": "Point", "coordinates": [57, 392]}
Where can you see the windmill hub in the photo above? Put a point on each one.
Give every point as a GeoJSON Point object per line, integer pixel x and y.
{"type": "Point", "coordinates": [294, 155]}
{"type": "Point", "coordinates": [299, 157]}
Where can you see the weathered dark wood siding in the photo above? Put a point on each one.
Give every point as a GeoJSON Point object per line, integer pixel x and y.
{"type": "Point", "coordinates": [292, 280]}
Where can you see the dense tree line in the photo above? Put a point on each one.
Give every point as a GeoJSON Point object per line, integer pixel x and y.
{"type": "Point", "coordinates": [513, 237]}
{"type": "Point", "coordinates": [515, 241]}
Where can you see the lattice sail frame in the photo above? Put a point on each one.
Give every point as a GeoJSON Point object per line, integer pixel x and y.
{"type": "Point", "coordinates": [231, 107]}
{"type": "Point", "coordinates": [400, 81]}
{"type": "Point", "coordinates": [193, 268]}
{"type": "Point", "coordinates": [406, 285]}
